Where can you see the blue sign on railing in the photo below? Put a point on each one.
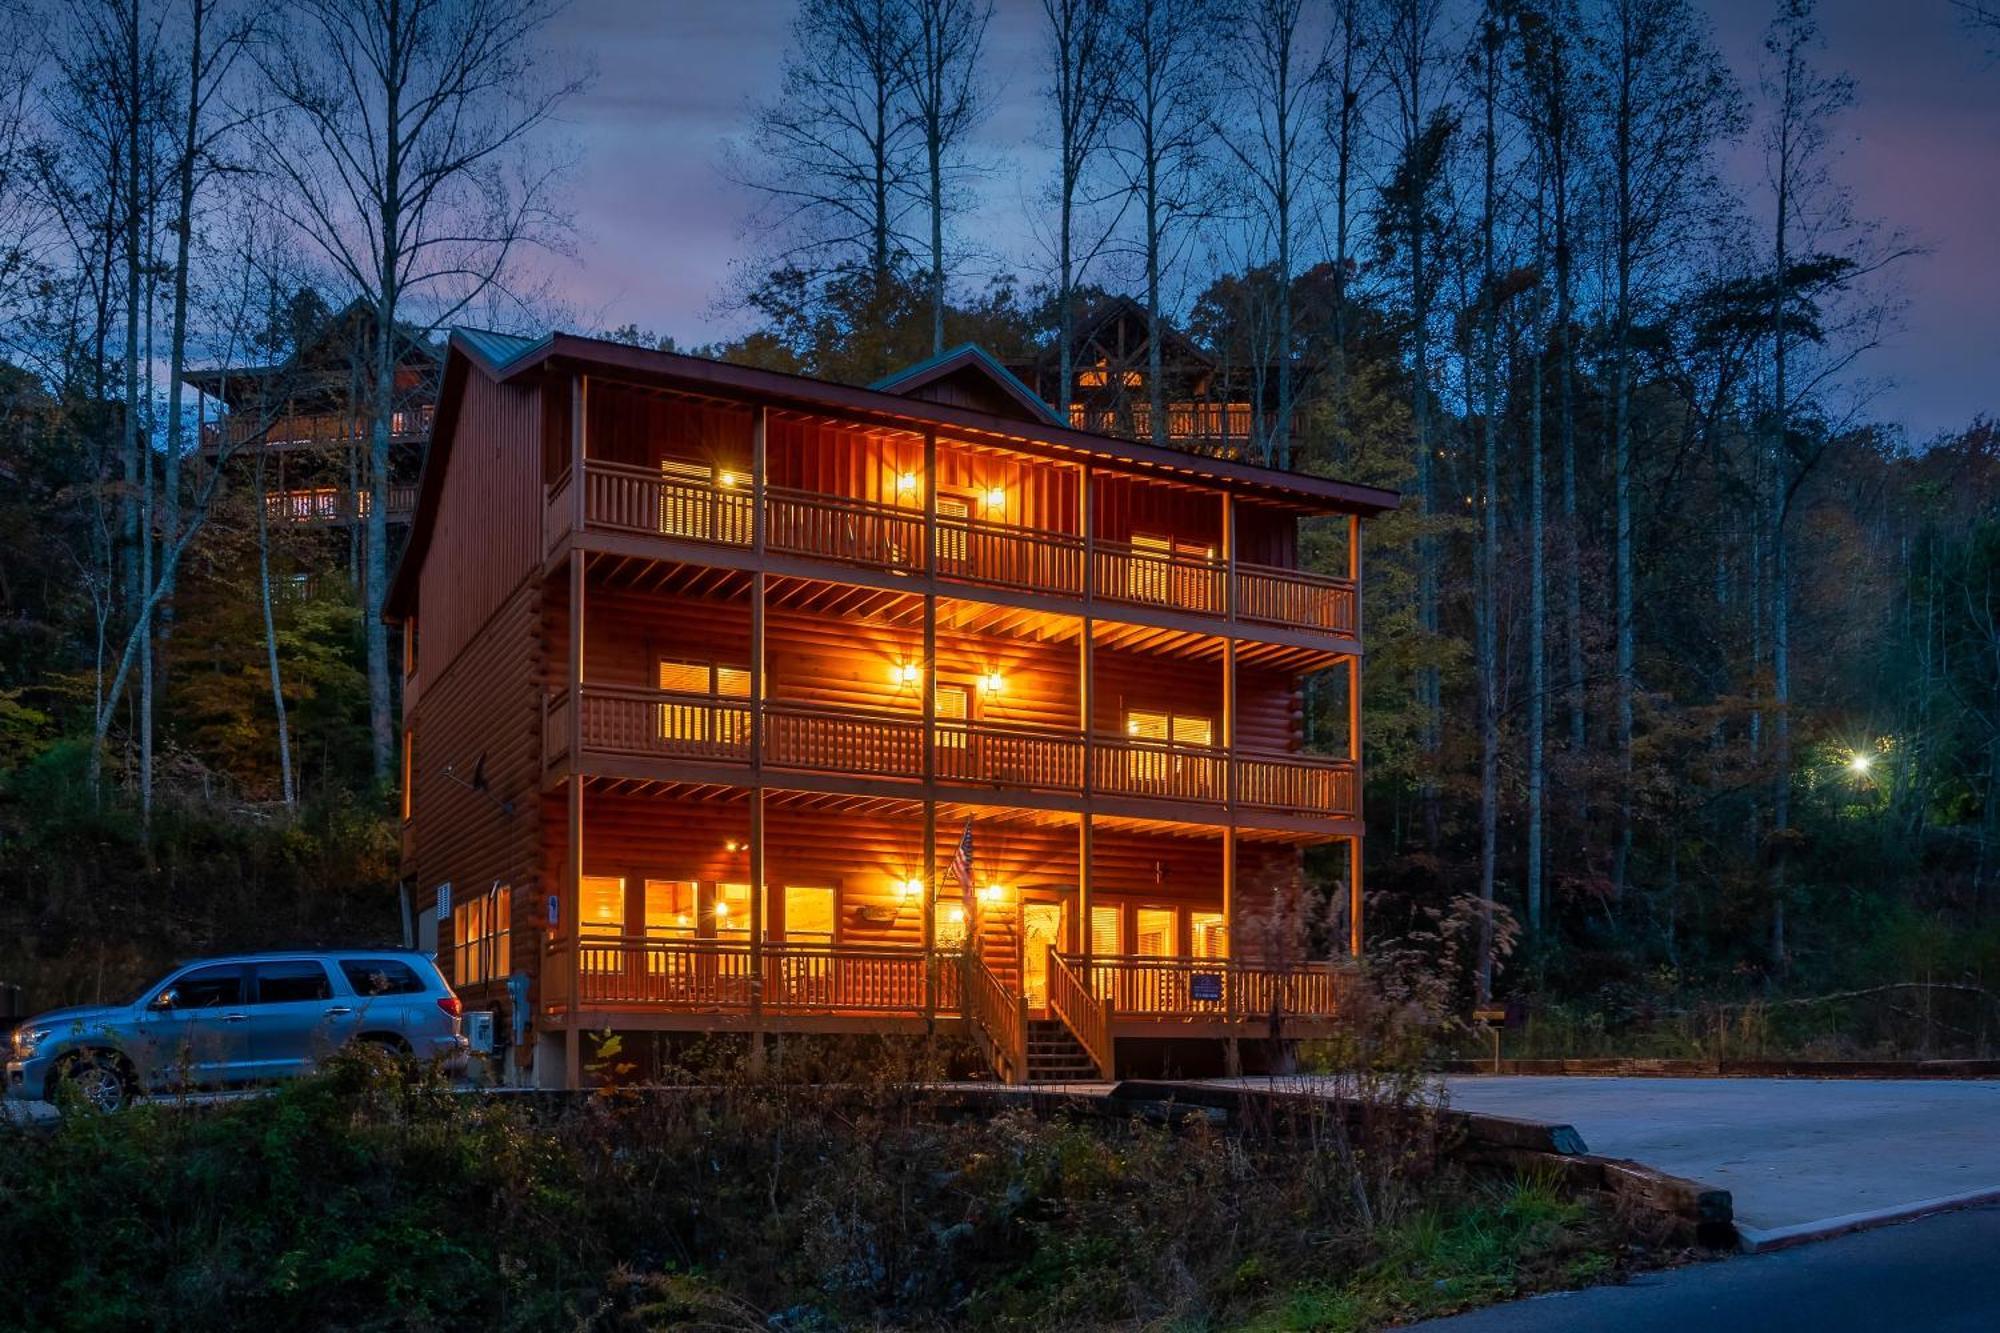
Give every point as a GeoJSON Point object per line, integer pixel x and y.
{"type": "Point", "coordinates": [1205, 986]}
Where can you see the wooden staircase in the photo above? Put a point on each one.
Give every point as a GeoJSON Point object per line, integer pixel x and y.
{"type": "Point", "coordinates": [1056, 1056]}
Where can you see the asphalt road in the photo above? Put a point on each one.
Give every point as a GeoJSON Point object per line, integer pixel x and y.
{"type": "Point", "coordinates": [1932, 1275]}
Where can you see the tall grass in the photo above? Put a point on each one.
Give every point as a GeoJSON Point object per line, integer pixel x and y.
{"type": "Point", "coordinates": [833, 1191]}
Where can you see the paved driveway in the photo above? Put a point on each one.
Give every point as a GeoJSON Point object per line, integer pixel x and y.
{"type": "Point", "coordinates": [1799, 1156]}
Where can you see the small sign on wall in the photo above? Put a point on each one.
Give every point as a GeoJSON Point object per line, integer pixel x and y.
{"type": "Point", "coordinates": [444, 900]}
{"type": "Point", "coordinates": [555, 911]}
{"type": "Point", "coordinates": [1205, 986]}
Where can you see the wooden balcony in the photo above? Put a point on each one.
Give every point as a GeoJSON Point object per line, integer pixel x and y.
{"type": "Point", "coordinates": [868, 534]}
{"type": "Point", "coordinates": [620, 722]}
{"type": "Point", "coordinates": [247, 429]}
{"type": "Point", "coordinates": [1210, 990]}
{"type": "Point", "coordinates": [335, 506]}
{"type": "Point", "coordinates": [1098, 998]}
{"type": "Point", "coordinates": [712, 976]}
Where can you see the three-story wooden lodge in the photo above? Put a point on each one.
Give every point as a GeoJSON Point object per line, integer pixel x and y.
{"type": "Point", "coordinates": [739, 701]}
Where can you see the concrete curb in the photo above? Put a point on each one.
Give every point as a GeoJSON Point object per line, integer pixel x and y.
{"type": "Point", "coordinates": [1754, 1240]}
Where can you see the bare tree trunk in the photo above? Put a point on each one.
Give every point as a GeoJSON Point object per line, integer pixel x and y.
{"type": "Point", "coordinates": [1538, 600]}
{"type": "Point", "coordinates": [1489, 547]}
{"type": "Point", "coordinates": [271, 641]}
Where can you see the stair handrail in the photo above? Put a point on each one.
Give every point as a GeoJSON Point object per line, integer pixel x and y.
{"type": "Point", "coordinates": [999, 1019]}
{"type": "Point", "coordinates": [1087, 1017]}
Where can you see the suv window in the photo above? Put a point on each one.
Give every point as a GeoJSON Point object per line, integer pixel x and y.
{"type": "Point", "coordinates": [209, 987]}
{"type": "Point", "coordinates": [291, 982]}
{"type": "Point", "coordinates": [381, 976]}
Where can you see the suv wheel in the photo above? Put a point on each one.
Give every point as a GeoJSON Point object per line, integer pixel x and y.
{"type": "Point", "coordinates": [100, 1080]}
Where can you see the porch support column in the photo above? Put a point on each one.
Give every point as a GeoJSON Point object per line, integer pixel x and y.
{"type": "Point", "coordinates": [757, 922]}
{"type": "Point", "coordinates": [572, 887]}
{"type": "Point", "coordinates": [579, 423]}
{"type": "Point", "coordinates": [1084, 893]}
{"type": "Point", "coordinates": [930, 912]}
{"type": "Point", "coordinates": [1229, 556]}
{"type": "Point", "coordinates": [1229, 888]}
{"type": "Point", "coordinates": [1085, 665]}
{"type": "Point", "coordinates": [1354, 742]}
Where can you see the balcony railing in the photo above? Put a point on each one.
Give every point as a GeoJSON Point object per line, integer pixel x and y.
{"type": "Point", "coordinates": [1126, 766]}
{"type": "Point", "coordinates": [1094, 996]}
{"type": "Point", "coordinates": [1187, 422]}
{"type": "Point", "coordinates": [1224, 989]}
{"type": "Point", "coordinates": [978, 752]}
{"type": "Point", "coordinates": [1007, 556]}
{"type": "Point", "coordinates": [324, 505]}
{"type": "Point", "coordinates": [723, 975]}
{"type": "Point", "coordinates": [1171, 581]}
{"type": "Point", "coordinates": [838, 527]}
{"type": "Point", "coordinates": [1307, 784]}
{"type": "Point", "coordinates": [292, 432]}
{"type": "Point", "coordinates": [871, 534]}
{"type": "Point", "coordinates": [824, 741]}
{"type": "Point", "coordinates": [624, 721]}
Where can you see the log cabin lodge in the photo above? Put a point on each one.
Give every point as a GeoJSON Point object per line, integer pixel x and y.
{"type": "Point", "coordinates": [737, 701]}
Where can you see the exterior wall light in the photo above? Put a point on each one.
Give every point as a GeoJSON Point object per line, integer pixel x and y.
{"type": "Point", "coordinates": [909, 888]}
{"type": "Point", "coordinates": [721, 910]}
{"type": "Point", "coordinates": [996, 498]}
{"type": "Point", "coordinates": [993, 682]}
{"type": "Point", "coordinates": [992, 893]}
{"type": "Point", "coordinates": [904, 673]}
{"type": "Point", "coordinates": [906, 481]}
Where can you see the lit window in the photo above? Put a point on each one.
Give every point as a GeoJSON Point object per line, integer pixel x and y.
{"type": "Point", "coordinates": [732, 911]}
{"type": "Point", "coordinates": [670, 909]}
{"type": "Point", "coordinates": [951, 711]}
{"type": "Point", "coordinates": [482, 937]}
{"type": "Point", "coordinates": [1156, 932]}
{"type": "Point", "coordinates": [705, 723]}
{"type": "Point", "coordinates": [602, 911]}
{"type": "Point", "coordinates": [1211, 935]}
{"type": "Point", "coordinates": [808, 914]}
{"type": "Point", "coordinates": [951, 929]}
{"type": "Point", "coordinates": [954, 515]}
{"type": "Point", "coordinates": [703, 502]}
{"type": "Point", "coordinates": [1106, 931]}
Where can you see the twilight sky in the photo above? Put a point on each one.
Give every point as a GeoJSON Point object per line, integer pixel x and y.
{"type": "Point", "coordinates": [660, 225]}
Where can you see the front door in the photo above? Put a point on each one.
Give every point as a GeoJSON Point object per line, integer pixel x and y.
{"type": "Point", "coordinates": [1041, 930]}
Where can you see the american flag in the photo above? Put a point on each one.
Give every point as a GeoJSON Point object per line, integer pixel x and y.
{"type": "Point", "coordinates": [961, 863]}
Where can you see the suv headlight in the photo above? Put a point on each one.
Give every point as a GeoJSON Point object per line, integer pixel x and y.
{"type": "Point", "coordinates": [27, 1039]}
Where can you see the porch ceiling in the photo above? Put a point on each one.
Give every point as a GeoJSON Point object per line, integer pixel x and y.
{"type": "Point", "coordinates": [949, 813]}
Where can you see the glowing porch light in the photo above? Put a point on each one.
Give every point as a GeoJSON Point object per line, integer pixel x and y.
{"type": "Point", "coordinates": [954, 915]}
{"type": "Point", "coordinates": [906, 481]}
{"type": "Point", "coordinates": [726, 480]}
{"type": "Point", "coordinates": [909, 888]}
{"type": "Point", "coordinates": [992, 893]}
{"type": "Point", "coordinates": [996, 498]}
{"type": "Point", "coordinates": [721, 909]}
{"type": "Point", "coordinates": [904, 673]}
{"type": "Point", "coordinates": [682, 920]}
{"type": "Point", "coordinates": [993, 682]}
